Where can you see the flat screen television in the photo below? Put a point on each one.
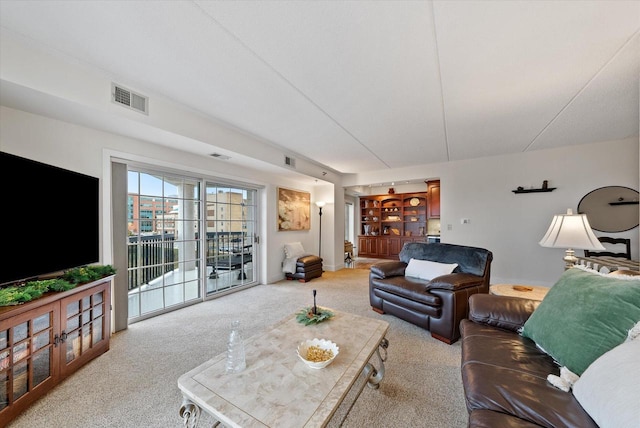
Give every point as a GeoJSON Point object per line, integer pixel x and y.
{"type": "Point", "coordinates": [50, 219]}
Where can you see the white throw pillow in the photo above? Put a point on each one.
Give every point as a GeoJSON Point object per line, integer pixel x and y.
{"type": "Point", "coordinates": [608, 389]}
{"type": "Point", "coordinates": [293, 250]}
{"type": "Point", "coordinates": [426, 269]}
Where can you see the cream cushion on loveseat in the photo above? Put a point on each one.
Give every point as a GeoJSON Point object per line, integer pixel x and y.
{"type": "Point", "coordinates": [426, 269]}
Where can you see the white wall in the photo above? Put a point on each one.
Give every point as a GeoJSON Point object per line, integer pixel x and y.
{"type": "Point", "coordinates": [511, 225]}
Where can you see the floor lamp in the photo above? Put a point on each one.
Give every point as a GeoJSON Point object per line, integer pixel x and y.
{"type": "Point", "coordinates": [320, 204]}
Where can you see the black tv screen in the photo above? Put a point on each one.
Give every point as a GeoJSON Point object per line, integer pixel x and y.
{"type": "Point", "coordinates": [51, 219]}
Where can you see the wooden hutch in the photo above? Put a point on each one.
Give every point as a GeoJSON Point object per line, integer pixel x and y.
{"type": "Point", "coordinates": [44, 341]}
{"type": "Point", "coordinates": [388, 221]}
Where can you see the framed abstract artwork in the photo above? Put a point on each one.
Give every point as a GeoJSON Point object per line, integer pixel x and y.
{"type": "Point", "coordinates": [294, 210]}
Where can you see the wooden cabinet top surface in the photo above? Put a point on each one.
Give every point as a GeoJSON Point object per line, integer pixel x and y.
{"type": "Point", "coordinates": [52, 296]}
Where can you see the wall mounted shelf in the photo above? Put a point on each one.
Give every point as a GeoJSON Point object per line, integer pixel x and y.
{"type": "Point", "coordinates": [624, 203]}
{"type": "Point", "coordinates": [548, 189]}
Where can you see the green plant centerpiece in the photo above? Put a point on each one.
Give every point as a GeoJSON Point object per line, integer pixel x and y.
{"type": "Point", "coordinates": [313, 314]}
{"type": "Point", "coordinates": [22, 293]}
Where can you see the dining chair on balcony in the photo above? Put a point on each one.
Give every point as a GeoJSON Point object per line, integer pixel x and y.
{"type": "Point", "coordinates": [609, 240]}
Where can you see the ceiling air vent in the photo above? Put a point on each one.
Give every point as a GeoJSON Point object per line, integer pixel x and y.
{"type": "Point", "coordinates": [290, 162]}
{"type": "Point", "coordinates": [220, 156]}
{"type": "Point", "coordinates": [130, 99]}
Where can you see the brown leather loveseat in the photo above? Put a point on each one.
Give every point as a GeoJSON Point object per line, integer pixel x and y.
{"type": "Point", "coordinates": [505, 374]}
{"type": "Point", "coordinates": [437, 304]}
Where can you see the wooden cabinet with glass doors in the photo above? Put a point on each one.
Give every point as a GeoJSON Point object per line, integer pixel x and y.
{"type": "Point", "coordinates": [44, 341]}
{"type": "Point", "coordinates": [387, 222]}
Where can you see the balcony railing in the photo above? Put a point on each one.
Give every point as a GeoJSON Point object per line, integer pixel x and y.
{"type": "Point", "coordinates": [151, 256]}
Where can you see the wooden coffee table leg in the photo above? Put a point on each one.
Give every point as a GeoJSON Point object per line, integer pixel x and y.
{"type": "Point", "coordinates": [374, 376]}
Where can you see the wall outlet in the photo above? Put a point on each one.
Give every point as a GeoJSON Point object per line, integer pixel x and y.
{"type": "Point", "coordinates": [465, 220]}
{"type": "Point", "coordinates": [449, 227]}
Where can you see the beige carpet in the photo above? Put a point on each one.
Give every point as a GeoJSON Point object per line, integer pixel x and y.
{"type": "Point", "coordinates": [135, 383]}
{"type": "Point", "coordinates": [364, 263]}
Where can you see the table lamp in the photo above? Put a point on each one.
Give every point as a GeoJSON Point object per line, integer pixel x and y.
{"type": "Point", "coordinates": [570, 231]}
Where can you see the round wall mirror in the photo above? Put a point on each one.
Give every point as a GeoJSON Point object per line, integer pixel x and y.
{"type": "Point", "coordinates": [611, 208]}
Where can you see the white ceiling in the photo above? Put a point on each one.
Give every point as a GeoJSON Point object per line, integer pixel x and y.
{"type": "Point", "coordinates": [360, 86]}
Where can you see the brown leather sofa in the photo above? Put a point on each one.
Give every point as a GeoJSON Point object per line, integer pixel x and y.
{"type": "Point", "coordinates": [439, 304]}
{"type": "Point", "coordinates": [505, 375]}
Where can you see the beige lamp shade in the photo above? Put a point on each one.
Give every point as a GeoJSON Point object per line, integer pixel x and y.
{"type": "Point", "coordinates": [571, 231]}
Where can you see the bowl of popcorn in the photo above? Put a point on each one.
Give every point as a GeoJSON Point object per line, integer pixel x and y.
{"type": "Point", "coordinates": [317, 353]}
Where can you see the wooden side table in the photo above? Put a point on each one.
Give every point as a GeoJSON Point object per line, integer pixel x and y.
{"type": "Point", "coordinates": [535, 293]}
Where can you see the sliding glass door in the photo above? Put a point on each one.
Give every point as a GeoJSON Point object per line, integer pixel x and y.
{"type": "Point", "coordinates": [187, 241]}
{"type": "Point", "coordinates": [230, 219]}
{"type": "Point", "coordinates": [163, 244]}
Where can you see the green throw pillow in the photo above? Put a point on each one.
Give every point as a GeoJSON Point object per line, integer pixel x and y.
{"type": "Point", "coordinates": [584, 315]}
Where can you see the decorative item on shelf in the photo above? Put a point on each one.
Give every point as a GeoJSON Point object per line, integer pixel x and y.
{"type": "Point", "coordinates": [375, 219]}
{"type": "Point", "coordinates": [414, 202]}
{"type": "Point", "coordinates": [621, 201]}
{"type": "Point", "coordinates": [385, 230]}
{"type": "Point", "coordinates": [366, 203]}
{"type": "Point", "coordinates": [570, 231]}
{"type": "Point", "coordinates": [421, 231]}
{"type": "Point", "coordinates": [407, 233]}
{"type": "Point", "coordinates": [395, 209]}
{"type": "Point", "coordinates": [391, 190]}
{"type": "Point", "coordinates": [545, 188]}
{"type": "Point", "coordinates": [375, 204]}
{"type": "Point", "coordinates": [370, 212]}
{"type": "Point", "coordinates": [414, 218]}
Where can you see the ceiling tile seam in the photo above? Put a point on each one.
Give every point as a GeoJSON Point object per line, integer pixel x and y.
{"type": "Point", "coordinates": [582, 89]}
{"type": "Point", "coordinates": [288, 82]}
{"type": "Point", "coordinates": [442, 103]}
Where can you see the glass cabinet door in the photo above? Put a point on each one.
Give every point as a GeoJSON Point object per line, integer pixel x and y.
{"type": "Point", "coordinates": [85, 326]}
{"type": "Point", "coordinates": [28, 359]}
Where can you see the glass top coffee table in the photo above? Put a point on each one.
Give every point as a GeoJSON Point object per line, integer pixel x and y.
{"type": "Point", "coordinates": [277, 389]}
